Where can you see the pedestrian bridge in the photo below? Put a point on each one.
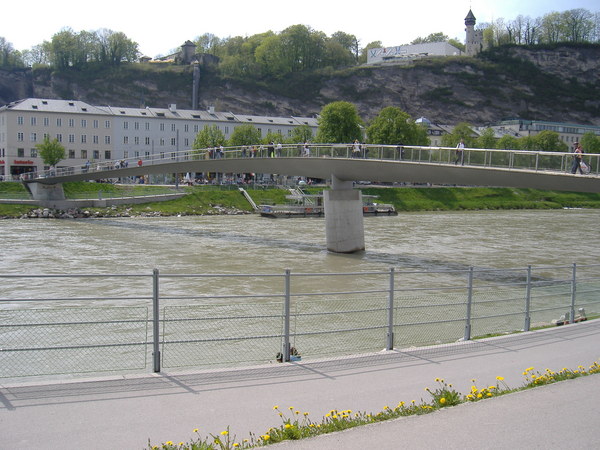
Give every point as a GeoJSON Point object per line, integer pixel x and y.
{"type": "Point", "coordinates": [342, 167]}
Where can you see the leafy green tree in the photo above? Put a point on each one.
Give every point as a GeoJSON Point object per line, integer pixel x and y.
{"type": "Point", "coordinates": [210, 136]}
{"type": "Point", "coordinates": [364, 52]}
{"type": "Point", "coordinates": [9, 57]}
{"type": "Point", "coordinates": [433, 37]}
{"type": "Point", "coordinates": [549, 141]}
{"type": "Point", "coordinates": [245, 134]}
{"type": "Point", "coordinates": [339, 122]}
{"type": "Point", "coordinates": [272, 137]}
{"type": "Point", "coordinates": [487, 139]}
{"type": "Point", "coordinates": [590, 143]}
{"type": "Point", "coordinates": [461, 131]}
{"type": "Point", "coordinates": [508, 142]}
{"type": "Point", "coordinates": [348, 42]}
{"type": "Point", "coordinates": [528, 143]}
{"type": "Point", "coordinates": [393, 126]}
{"type": "Point", "coordinates": [51, 151]}
{"type": "Point", "coordinates": [303, 133]}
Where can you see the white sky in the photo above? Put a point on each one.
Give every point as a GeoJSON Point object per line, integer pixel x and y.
{"type": "Point", "coordinates": [159, 27]}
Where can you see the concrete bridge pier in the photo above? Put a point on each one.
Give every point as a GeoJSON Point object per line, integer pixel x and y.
{"type": "Point", "coordinates": [46, 192]}
{"type": "Point", "coordinates": [344, 226]}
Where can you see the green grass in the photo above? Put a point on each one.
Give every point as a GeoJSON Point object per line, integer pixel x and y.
{"type": "Point", "coordinates": [203, 199]}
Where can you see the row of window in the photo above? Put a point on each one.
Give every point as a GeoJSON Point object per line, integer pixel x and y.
{"type": "Point", "coordinates": [33, 137]}
{"type": "Point", "coordinates": [83, 154]}
{"type": "Point", "coordinates": [59, 121]}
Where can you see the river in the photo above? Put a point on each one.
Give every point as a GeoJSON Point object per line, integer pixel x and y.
{"type": "Point", "coordinates": [251, 244]}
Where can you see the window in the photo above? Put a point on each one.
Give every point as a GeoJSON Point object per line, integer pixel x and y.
{"type": "Point", "coordinates": [125, 154]}
{"type": "Point", "coordinates": [136, 140]}
{"type": "Point", "coordinates": [107, 140]}
{"type": "Point", "coordinates": [196, 128]}
{"type": "Point", "coordinates": [59, 137]}
{"type": "Point", "coordinates": [71, 138]}
{"type": "Point", "coordinates": [21, 152]}
{"type": "Point", "coordinates": [83, 138]}
{"type": "Point", "coordinates": [173, 142]}
{"type": "Point", "coordinates": [107, 124]}
{"type": "Point", "coordinates": [20, 137]}
{"type": "Point", "coordinates": [58, 122]}
{"type": "Point", "coordinates": [226, 130]}
{"type": "Point", "coordinates": [186, 142]}
{"type": "Point", "coordinates": [95, 123]}
{"type": "Point", "coordinates": [33, 137]}
{"type": "Point", "coordinates": [147, 124]}
{"type": "Point", "coordinates": [71, 154]}
{"type": "Point", "coordinates": [33, 121]}
{"type": "Point", "coordinates": [96, 154]}
{"type": "Point", "coordinates": [172, 127]}
{"type": "Point", "coordinates": [33, 153]}
{"type": "Point", "coordinates": [136, 125]}
{"type": "Point", "coordinates": [84, 154]}
{"type": "Point", "coordinates": [83, 123]}
{"type": "Point", "coordinates": [95, 139]}
{"type": "Point", "coordinates": [125, 140]}
{"type": "Point", "coordinates": [126, 125]}
{"type": "Point", "coordinates": [71, 123]}
{"type": "Point", "coordinates": [186, 128]}
{"type": "Point", "coordinates": [136, 154]}
{"type": "Point", "coordinates": [147, 140]}
{"type": "Point", "coordinates": [162, 127]}
{"type": "Point", "coordinates": [20, 120]}
{"type": "Point", "coordinates": [46, 122]}
{"type": "Point", "coordinates": [162, 142]}
{"type": "Point", "coordinates": [107, 154]}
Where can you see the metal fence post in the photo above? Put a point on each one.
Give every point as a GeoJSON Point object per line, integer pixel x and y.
{"type": "Point", "coordinates": [286, 317]}
{"type": "Point", "coordinates": [467, 336]}
{"type": "Point", "coordinates": [573, 293]}
{"type": "Point", "coordinates": [528, 301]}
{"type": "Point", "coordinates": [155, 322]}
{"type": "Point", "coordinates": [390, 333]}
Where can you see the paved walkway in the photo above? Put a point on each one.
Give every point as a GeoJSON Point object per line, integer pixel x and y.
{"type": "Point", "coordinates": [124, 412]}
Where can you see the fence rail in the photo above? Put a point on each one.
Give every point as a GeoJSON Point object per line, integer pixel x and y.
{"type": "Point", "coordinates": [498, 158]}
{"type": "Point", "coordinates": [133, 322]}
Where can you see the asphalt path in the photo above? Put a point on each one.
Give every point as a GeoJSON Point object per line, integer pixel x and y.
{"type": "Point", "coordinates": [128, 411]}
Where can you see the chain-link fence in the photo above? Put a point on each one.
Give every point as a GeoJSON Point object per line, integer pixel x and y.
{"type": "Point", "coordinates": [153, 321]}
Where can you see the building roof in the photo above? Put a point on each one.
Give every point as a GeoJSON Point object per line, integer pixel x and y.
{"type": "Point", "coordinates": [56, 106]}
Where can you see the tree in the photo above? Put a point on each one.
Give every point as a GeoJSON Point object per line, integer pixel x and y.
{"type": "Point", "coordinates": [433, 37]}
{"type": "Point", "coordinates": [9, 57]}
{"type": "Point", "coordinates": [364, 52]}
{"type": "Point", "coordinates": [461, 131]}
{"type": "Point", "coordinates": [549, 141]}
{"type": "Point", "coordinates": [508, 142]}
{"type": "Point", "coordinates": [456, 43]}
{"type": "Point", "coordinates": [303, 133]}
{"type": "Point", "coordinates": [590, 143]}
{"type": "Point", "coordinates": [210, 136]}
{"type": "Point", "coordinates": [339, 122]}
{"type": "Point", "coordinates": [487, 139]}
{"type": "Point", "coordinates": [348, 42]}
{"type": "Point", "coordinates": [245, 134]}
{"type": "Point", "coordinates": [51, 151]}
{"type": "Point", "coordinates": [393, 126]}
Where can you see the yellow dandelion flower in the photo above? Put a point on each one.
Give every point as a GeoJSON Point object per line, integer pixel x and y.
{"type": "Point", "coordinates": [437, 379]}
{"type": "Point", "coordinates": [470, 396]}
{"type": "Point", "coordinates": [236, 445]}
{"type": "Point", "coordinates": [442, 400]}
{"type": "Point", "coordinates": [181, 444]}
{"type": "Point", "coordinates": [479, 395]}
{"type": "Point", "coordinates": [224, 433]}
{"type": "Point", "coordinates": [291, 408]}
{"type": "Point", "coordinates": [195, 430]}
{"type": "Point", "coordinates": [276, 407]}
{"type": "Point", "coordinates": [288, 426]}
{"type": "Point", "coordinates": [500, 378]}
{"type": "Point", "coordinates": [492, 388]}
{"type": "Point", "coordinates": [169, 443]}
{"type": "Point", "coordinates": [305, 414]}
{"type": "Point", "coordinates": [489, 394]}
{"type": "Point", "coordinates": [266, 437]}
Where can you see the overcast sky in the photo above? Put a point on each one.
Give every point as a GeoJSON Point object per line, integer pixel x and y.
{"type": "Point", "coordinates": [159, 27]}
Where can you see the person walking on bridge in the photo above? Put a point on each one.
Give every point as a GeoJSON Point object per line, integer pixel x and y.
{"type": "Point", "coordinates": [577, 158]}
{"type": "Point", "coordinates": [460, 149]}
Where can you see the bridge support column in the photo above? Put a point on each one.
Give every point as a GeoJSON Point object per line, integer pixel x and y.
{"type": "Point", "coordinates": [343, 217]}
{"type": "Point", "coordinates": [46, 192]}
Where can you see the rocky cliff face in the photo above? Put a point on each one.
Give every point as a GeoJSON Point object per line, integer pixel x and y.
{"type": "Point", "coordinates": [560, 84]}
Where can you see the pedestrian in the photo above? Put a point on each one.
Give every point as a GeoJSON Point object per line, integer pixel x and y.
{"type": "Point", "coordinates": [271, 150]}
{"type": "Point", "coordinates": [577, 158]}
{"type": "Point", "coordinates": [279, 148]}
{"type": "Point", "coordinates": [356, 149]}
{"type": "Point", "coordinates": [460, 148]}
{"type": "Point", "coordinates": [139, 163]}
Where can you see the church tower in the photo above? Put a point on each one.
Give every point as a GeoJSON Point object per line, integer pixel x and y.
{"type": "Point", "coordinates": [474, 40]}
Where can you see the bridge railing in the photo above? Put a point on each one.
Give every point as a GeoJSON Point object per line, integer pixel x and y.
{"type": "Point", "coordinates": [494, 158]}
{"type": "Point", "coordinates": [85, 323]}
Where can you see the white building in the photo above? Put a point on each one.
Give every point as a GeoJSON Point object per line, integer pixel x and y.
{"type": "Point", "coordinates": [410, 52]}
{"type": "Point", "coordinates": [108, 133]}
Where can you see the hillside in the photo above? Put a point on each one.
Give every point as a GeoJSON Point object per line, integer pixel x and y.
{"type": "Point", "coordinates": [556, 84]}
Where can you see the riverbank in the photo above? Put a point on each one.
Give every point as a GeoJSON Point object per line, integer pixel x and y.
{"type": "Point", "coordinates": [213, 200]}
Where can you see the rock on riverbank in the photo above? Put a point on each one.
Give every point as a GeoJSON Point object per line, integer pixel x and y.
{"type": "Point", "coordinates": [77, 213]}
